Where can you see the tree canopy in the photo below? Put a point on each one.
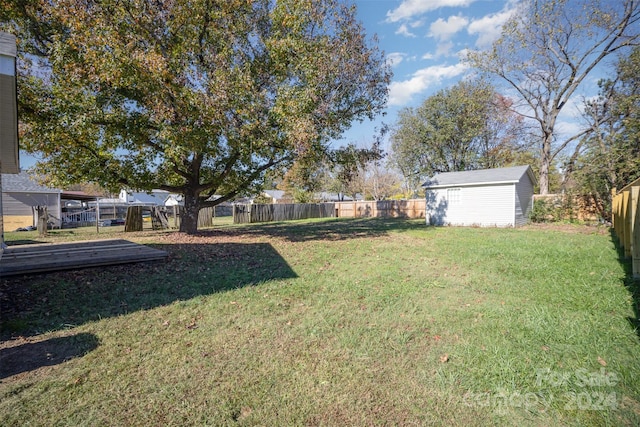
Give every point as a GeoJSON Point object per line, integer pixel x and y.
{"type": "Point", "coordinates": [547, 50]}
{"type": "Point", "coordinates": [197, 97]}
{"type": "Point", "coordinates": [466, 126]}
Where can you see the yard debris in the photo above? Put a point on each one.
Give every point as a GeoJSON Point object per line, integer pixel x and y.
{"type": "Point", "coordinates": [444, 358]}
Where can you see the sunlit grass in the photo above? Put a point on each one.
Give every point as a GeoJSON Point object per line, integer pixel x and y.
{"type": "Point", "coordinates": [342, 322]}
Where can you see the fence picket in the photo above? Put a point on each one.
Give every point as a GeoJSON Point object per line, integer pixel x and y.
{"type": "Point", "coordinates": [626, 222]}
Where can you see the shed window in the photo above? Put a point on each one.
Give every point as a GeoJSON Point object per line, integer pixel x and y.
{"type": "Point", "coordinates": [453, 196]}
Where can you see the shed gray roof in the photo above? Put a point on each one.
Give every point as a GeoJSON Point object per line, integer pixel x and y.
{"type": "Point", "coordinates": [23, 183]}
{"type": "Point", "coordinates": [482, 176]}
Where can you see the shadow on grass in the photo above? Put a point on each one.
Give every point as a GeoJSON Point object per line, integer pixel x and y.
{"type": "Point", "coordinates": [30, 305]}
{"type": "Point", "coordinates": [329, 229]}
{"type": "Point", "coordinates": [632, 285]}
{"type": "Point", "coordinates": [33, 355]}
{"type": "Point", "coordinates": [24, 242]}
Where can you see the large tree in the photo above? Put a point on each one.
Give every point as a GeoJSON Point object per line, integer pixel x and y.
{"type": "Point", "coordinates": [547, 50]}
{"type": "Point", "coordinates": [466, 126]}
{"type": "Point", "coordinates": [197, 97]}
{"type": "Point", "coordinates": [348, 166]}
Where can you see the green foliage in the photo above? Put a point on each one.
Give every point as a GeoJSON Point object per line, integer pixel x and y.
{"type": "Point", "coordinates": [348, 165]}
{"type": "Point", "coordinates": [303, 196]}
{"type": "Point", "coordinates": [467, 126]}
{"type": "Point", "coordinates": [547, 210]}
{"type": "Point", "coordinates": [194, 97]}
{"type": "Point", "coordinates": [262, 199]}
{"type": "Point", "coordinates": [561, 208]}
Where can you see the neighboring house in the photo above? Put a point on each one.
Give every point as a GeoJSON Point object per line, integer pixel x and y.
{"type": "Point", "coordinates": [9, 152]}
{"type": "Point", "coordinates": [20, 194]}
{"type": "Point", "coordinates": [336, 197]}
{"type": "Point", "coordinates": [276, 196]}
{"type": "Point", "coordinates": [152, 198]}
{"type": "Point", "coordinates": [501, 197]}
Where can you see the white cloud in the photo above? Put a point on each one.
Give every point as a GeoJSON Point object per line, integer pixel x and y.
{"type": "Point", "coordinates": [444, 48]}
{"type": "Point", "coordinates": [400, 93]}
{"type": "Point", "coordinates": [567, 129]}
{"type": "Point", "coordinates": [411, 8]}
{"type": "Point", "coordinates": [395, 58]}
{"type": "Point", "coordinates": [443, 30]}
{"type": "Point", "coordinates": [428, 56]}
{"type": "Point", "coordinates": [403, 30]}
{"type": "Point", "coordinates": [488, 28]}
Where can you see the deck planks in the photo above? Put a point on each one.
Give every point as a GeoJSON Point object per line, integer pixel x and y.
{"type": "Point", "coordinates": [48, 257]}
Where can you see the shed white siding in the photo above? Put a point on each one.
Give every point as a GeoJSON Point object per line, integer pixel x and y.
{"type": "Point", "coordinates": [499, 197]}
{"type": "Point", "coordinates": [486, 206]}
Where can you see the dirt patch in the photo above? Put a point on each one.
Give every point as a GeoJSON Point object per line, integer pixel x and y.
{"type": "Point", "coordinates": [585, 228]}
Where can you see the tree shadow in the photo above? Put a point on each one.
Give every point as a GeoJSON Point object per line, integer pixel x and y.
{"type": "Point", "coordinates": [333, 229]}
{"type": "Point", "coordinates": [436, 210]}
{"type": "Point", "coordinates": [24, 242]}
{"type": "Point", "coordinates": [30, 305]}
{"type": "Point", "coordinates": [632, 285]}
{"type": "Point", "coordinates": [33, 355]}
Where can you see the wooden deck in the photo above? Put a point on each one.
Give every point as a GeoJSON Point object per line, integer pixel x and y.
{"type": "Point", "coordinates": [47, 257]}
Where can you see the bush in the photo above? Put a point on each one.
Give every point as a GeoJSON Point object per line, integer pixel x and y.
{"type": "Point", "coordinates": [542, 211]}
{"type": "Point", "coordinates": [560, 208]}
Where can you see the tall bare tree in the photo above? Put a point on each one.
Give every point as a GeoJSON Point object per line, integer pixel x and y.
{"type": "Point", "coordinates": [547, 50]}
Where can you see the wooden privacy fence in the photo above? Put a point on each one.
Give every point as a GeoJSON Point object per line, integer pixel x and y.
{"type": "Point", "coordinates": [626, 222]}
{"type": "Point", "coordinates": [245, 214]}
{"type": "Point", "coordinates": [163, 218]}
{"type": "Point", "coordinates": [414, 208]}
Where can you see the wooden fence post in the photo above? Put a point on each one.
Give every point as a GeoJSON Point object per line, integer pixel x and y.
{"type": "Point", "coordinates": [43, 216]}
{"type": "Point", "coordinates": [133, 222]}
{"type": "Point", "coordinates": [635, 231]}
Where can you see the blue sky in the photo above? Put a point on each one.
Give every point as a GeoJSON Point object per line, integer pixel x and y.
{"type": "Point", "coordinates": [424, 40]}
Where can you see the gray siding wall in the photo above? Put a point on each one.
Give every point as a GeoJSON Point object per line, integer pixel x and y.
{"type": "Point", "coordinates": [524, 200]}
{"type": "Point", "coordinates": [19, 204]}
{"type": "Point", "coordinates": [485, 206]}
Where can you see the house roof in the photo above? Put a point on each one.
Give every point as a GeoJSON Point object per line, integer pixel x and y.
{"type": "Point", "coordinates": [154, 197]}
{"type": "Point", "coordinates": [274, 194]}
{"type": "Point", "coordinates": [23, 183]}
{"type": "Point", "coordinates": [478, 177]}
{"type": "Point", "coordinates": [78, 195]}
{"type": "Point", "coordinates": [335, 197]}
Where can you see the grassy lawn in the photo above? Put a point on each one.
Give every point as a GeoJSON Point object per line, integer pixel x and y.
{"type": "Point", "coordinates": [339, 322]}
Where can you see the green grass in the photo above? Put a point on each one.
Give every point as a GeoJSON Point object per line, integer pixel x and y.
{"type": "Point", "coordinates": [340, 322]}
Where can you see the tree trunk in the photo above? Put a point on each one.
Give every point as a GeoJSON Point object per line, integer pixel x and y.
{"type": "Point", "coordinates": [545, 163]}
{"type": "Point", "coordinates": [189, 219]}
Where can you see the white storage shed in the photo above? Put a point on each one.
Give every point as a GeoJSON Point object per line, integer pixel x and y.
{"type": "Point", "coordinates": [501, 197]}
